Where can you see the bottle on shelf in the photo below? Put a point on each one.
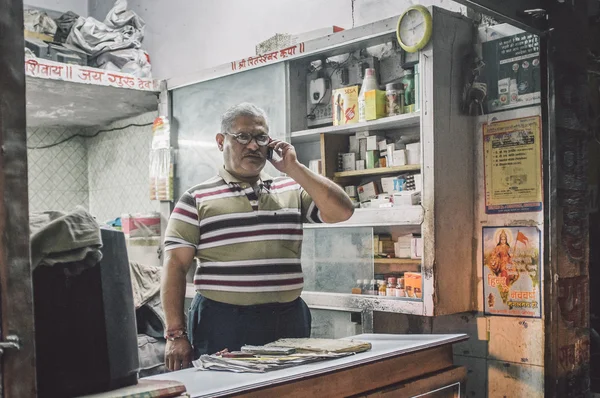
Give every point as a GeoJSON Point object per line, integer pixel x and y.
{"type": "Point", "coordinates": [369, 83]}
{"type": "Point", "coordinates": [400, 288]}
{"type": "Point", "coordinates": [358, 288]}
{"type": "Point", "coordinates": [382, 288]}
{"type": "Point", "coordinates": [409, 87]}
{"type": "Point", "coordinates": [373, 289]}
{"type": "Point", "coordinates": [391, 286]}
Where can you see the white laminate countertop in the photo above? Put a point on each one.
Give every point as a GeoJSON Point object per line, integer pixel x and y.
{"type": "Point", "coordinates": [212, 383]}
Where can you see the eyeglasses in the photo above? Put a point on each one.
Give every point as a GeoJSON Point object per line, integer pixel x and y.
{"type": "Point", "coordinates": [246, 138]}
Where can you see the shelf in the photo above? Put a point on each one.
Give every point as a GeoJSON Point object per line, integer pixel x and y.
{"type": "Point", "coordinates": [359, 303]}
{"type": "Point", "coordinates": [64, 95]}
{"type": "Point", "coordinates": [377, 171]}
{"type": "Point", "coordinates": [393, 265]}
{"type": "Point", "coordinates": [408, 261]}
{"type": "Point", "coordinates": [392, 216]}
{"type": "Point", "coordinates": [387, 123]}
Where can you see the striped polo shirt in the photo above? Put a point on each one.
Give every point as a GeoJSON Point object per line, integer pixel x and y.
{"type": "Point", "coordinates": [248, 239]}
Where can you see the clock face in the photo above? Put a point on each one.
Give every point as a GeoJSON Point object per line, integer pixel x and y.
{"type": "Point", "coordinates": [412, 28]}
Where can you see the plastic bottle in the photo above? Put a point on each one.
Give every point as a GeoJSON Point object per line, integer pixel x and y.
{"type": "Point", "coordinates": [382, 288]}
{"type": "Point", "coordinates": [409, 87]}
{"type": "Point", "coordinates": [369, 83]}
{"type": "Point", "coordinates": [373, 288]}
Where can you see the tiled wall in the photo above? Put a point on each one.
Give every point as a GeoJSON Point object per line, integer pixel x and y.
{"type": "Point", "coordinates": [118, 169]}
{"type": "Point", "coordinates": [57, 176]}
{"type": "Point", "coordinates": [107, 174]}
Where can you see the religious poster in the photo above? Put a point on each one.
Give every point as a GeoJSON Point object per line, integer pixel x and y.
{"type": "Point", "coordinates": [513, 165]}
{"type": "Point", "coordinates": [511, 271]}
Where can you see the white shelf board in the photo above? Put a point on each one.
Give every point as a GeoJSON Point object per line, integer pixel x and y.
{"type": "Point", "coordinates": [387, 123]}
{"type": "Point", "coordinates": [63, 95]}
{"type": "Point", "coordinates": [359, 302]}
{"type": "Point", "coordinates": [400, 215]}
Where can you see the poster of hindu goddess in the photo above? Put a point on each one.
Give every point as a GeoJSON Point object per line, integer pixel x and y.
{"type": "Point", "coordinates": [512, 271]}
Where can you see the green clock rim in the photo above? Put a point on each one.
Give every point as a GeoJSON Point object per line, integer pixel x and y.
{"type": "Point", "coordinates": [428, 28]}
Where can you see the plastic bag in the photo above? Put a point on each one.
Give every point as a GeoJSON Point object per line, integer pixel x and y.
{"type": "Point", "coordinates": [132, 60]}
{"type": "Point", "coordinates": [119, 16]}
{"type": "Point", "coordinates": [123, 29]}
{"type": "Point", "coordinates": [64, 24]}
{"type": "Point", "coordinates": [39, 22]}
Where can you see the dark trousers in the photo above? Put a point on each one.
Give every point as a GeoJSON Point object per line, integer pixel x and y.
{"type": "Point", "coordinates": [214, 326]}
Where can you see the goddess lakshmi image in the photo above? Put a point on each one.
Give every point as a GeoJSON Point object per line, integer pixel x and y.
{"type": "Point", "coordinates": [500, 260]}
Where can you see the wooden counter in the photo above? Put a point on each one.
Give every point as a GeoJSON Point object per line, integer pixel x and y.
{"type": "Point", "coordinates": [396, 366]}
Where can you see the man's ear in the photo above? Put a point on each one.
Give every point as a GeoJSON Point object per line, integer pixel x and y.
{"type": "Point", "coordinates": [220, 138]}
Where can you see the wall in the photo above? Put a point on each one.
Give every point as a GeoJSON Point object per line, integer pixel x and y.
{"type": "Point", "coordinates": [118, 169]}
{"type": "Point", "coordinates": [57, 176]}
{"type": "Point", "coordinates": [107, 174]}
{"type": "Point", "coordinates": [183, 37]}
{"type": "Point", "coordinates": [78, 6]}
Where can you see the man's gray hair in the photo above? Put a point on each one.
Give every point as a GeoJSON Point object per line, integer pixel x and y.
{"type": "Point", "coordinates": [243, 109]}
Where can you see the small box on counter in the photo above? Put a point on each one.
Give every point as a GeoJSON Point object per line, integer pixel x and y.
{"type": "Point", "coordinates": [418, 178]}
{"type": "Point", "coordinates": [372, 159]}
{"type": "Point", "coordinates": [360, 165]}
{"type": "Point", "coordinates": [413, 284]}
{"type": "Point", "coordinates": [381, 201]}
{"type": "Point", "coordinates": [367, 191]}
{"type": "Point", "coordinates": [416, 247]}
{"type": "Point", "coordinates": [375, 105]}
{"type": "Point", "coordinates": [348, 161]}
{"type": "Point", "coordinates": [407, 198]}
{"type": "Point", "coordinates": [399, 184]}
{"type": "Point", "coordinates": [345, 105]}
{"type": "Point", "coordinates": [387, 184]}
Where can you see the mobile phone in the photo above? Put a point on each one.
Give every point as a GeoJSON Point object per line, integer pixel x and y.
{"type": "Point", "coordinates": [269, 153]}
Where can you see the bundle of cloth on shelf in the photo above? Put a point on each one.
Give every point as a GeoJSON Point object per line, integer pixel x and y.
{"type": "Point", "coordinates": [116, 43]}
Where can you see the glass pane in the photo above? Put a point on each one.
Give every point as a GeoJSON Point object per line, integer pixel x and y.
{"type": "Point", "coordinates": [327, 324]}
{"type": "Point", "coordinates": [197, 111]}
{"type": "Point", "coordinates": [333, 259]}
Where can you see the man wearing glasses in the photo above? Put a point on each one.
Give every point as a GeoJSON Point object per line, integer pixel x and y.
{"type": "Point", "coordinates": [245, 228]}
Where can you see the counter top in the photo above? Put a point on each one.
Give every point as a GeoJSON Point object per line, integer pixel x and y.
{"type": "Point", "coordinates": [218, 383]}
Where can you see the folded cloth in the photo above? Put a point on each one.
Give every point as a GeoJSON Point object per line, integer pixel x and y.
{"type": "Point", "coordinates": [65, 238]}
{"type": "Point", "coordinates": [145, 280]}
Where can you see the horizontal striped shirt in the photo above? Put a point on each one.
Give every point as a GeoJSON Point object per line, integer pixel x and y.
{"type": "Point", "coordinates": [247, 239]}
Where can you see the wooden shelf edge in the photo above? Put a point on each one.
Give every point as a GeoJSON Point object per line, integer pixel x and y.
{"type": "Point", "coordinates": [387, 123]}
{"type": "Point", "coordinates": [377, 171]}
{"type": "Point", "coordinates": [397, 261]}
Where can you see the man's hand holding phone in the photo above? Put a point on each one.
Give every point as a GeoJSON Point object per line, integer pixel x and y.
{"type": "Point", "coordinates": [282, 155]}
